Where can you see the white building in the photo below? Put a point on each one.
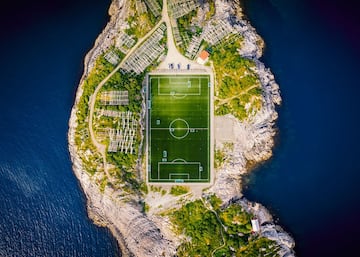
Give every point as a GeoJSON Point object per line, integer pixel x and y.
{"type": "Point", "coordinates": [255, 225]}
{"type": "Point", "coordinates": [203, 57]}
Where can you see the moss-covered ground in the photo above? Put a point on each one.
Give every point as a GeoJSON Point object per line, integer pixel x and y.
{"type": "Point", "coordinates": [237, 87]}
{"type": "Point", "coordinates": [209, 230]}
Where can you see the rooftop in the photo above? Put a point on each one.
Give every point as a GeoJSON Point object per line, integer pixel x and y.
{"type": "Point", "coordinates": [204, 55]}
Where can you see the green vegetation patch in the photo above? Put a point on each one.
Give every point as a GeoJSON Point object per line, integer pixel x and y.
{"type": "Point", "coordinates": [187, 31]}
{"type": "Point", "coordinates": [259, 247]}
{"type": "Point", "coordinates": [211, 11]}
{"type": "Point", "coordinates": [123, 163]}
{"type": "Point", "coordinates": [179, 128]}
{"type": "Point", "coordinates": [211, 230]}
{"type": "Point", "coordinates": [202, 228]}
{"type": "Point", "coordinates": [86, 150]}
{"type": "Point", "coordinates": [179, 190]}
{"type": "Point", "coordinates": [140, 23]}
{"type": "Point", "coordinates": [145, 207]}
{"type": "Point", "coordinates": [219, 158]}
{"type": "Point", "coordinates": [238, 89]}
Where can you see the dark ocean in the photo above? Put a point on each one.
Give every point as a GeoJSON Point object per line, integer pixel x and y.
{"type": "Point", "coordinates": [312, 183]}
{"type": "Point", "coordinates": [42, 208]}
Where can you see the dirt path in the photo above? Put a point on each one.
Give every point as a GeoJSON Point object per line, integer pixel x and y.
{"type": "Point", "coordinates": [209, 208]}
{"type": "Point", "coordinates": [226, 100]}
{"type": "Point", "coordinates": [173, 56]}
{"type": "Point", "coordinates": [100, 147]}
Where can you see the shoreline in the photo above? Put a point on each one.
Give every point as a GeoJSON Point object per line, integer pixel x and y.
{"type": "Point", "coordinates": [96, 201]}
{"type": "Point", "coordinates": [125, 220]}
{"type": "Point", "coordinates": [79, 172]}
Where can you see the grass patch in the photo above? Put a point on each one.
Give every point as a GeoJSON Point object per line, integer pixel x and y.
{"type": "Point", "coordinates": [219, 158]}
{"type": "Point", "coordinates": [140, 24]}
{"type": "Point", "coordinates": [211, 11]}
{"type": "Point", "coordinates": [237, 87]}
{"type": "Point", "coordinates": [179, 128]}
{"type": "Point", "coordinates": [125, 162]}
{"type": "Point", "coordinates": [103, 184]}
{"type": "Point", "coordinates": [199, 224]}
{"type": "Point", "coordinates": [91, 159]}
{"type": "Point", "coordinates": [187, 31]}
{"type": "Point", "coordinates": [155, 189]}
{"type": "Point", "coordinates": [144, 188]}
{"type": "Point", "coordinates": [179, 190]}
{"type": "Point", "coordinates": [259, 247]}
{"type": "Point", "coordinates": [206, 236]}
{"type": "Point", "coordinates": [146, 207]}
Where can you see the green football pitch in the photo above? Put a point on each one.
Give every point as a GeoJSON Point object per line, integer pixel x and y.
{"type": "Point", "coordinates": [178, 129]}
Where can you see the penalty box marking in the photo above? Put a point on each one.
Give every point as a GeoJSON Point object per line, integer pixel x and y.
{"type": "Point", "coordinates": [200, 168]}
{"type": "Point", "coordinates": [178, 83]}
{"type": "Point", "coordinates": [179, 174]}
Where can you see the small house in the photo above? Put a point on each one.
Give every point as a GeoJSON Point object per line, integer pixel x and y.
{"type": "Point", "coordinates": [203, 57]}
{"type": "Point", "coordinates": [255, 225]}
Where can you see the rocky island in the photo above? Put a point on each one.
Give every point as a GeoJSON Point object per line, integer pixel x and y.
{"type": "Point", "coordinates": [178, 214]}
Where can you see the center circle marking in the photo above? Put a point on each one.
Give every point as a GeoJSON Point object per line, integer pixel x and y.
{"type": "Point", "coordinates": [179, 128]}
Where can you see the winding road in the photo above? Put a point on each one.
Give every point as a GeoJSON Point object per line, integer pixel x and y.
{"type": "Point", "coordinates": [173, 55]}
{"type": "Point", "coordinates": [100, 147]}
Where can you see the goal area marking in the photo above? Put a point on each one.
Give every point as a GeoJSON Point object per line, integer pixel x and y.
{"type": "Point", "coordinates": [182, 86]}
{"type": "Point", "coordinates": [195, 166]}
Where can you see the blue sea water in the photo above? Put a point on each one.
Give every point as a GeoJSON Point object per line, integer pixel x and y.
{"type": "Point", "coordinates": [312, 182]}
{"type": "Point", "coordinates": [42, 208]}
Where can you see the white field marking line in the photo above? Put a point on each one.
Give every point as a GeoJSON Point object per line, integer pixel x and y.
{"type": "Point", "coordinates": [179, 174]}
{"type": "Point", "coordinates": [149, 86]}
{"type": "Point", "coordinates": [172, 122]}
{"type": "Point", "coordinates": [164, 180]}
{"type": "Point", "coordinates": [193, 163]}
{"type": "Point", "coordinates": [198, 85]}
{"type": "Point", "coordinates": [179, 128]}
{"type": "Point", "coordinates": [180, 96]}
{"type": "Point", "coordinates": [179, 82]}
{"type": "Point", "coordinates": [158, 86]}
{"type": "Point", "coordinates": [178, 159]}
{"type": "Point", "coordinates": [188, 77]}
{"type": "Point", "coordinates": [171, 129]}
{"type": "Point", "coordinates": [177, 163]}
{"type": "Point", "coordinates": [175, 77]}
{"type": "Point", "coordinates": [184, 83]}
{"type": "Point", "coordinates": [209, 134]}
{"type": "Point", "coordinates": [158, 171]}
{"type": "Point", "coordinates": [182, 80]}
{"type": "Point", "coordinates": [200, 171]}
{"type": "Point", "coordinates": [148, 131]}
